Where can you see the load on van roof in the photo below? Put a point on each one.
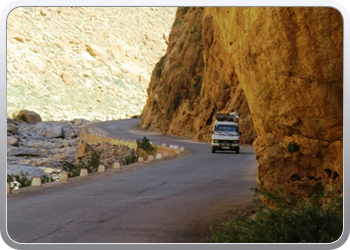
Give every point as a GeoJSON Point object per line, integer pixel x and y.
{"type": "Point", "coordinates": [231, 117]}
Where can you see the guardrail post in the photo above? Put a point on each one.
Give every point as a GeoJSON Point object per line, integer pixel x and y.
{"type": "Point", "coordinates": [83, 172]}
{"type": "Point", "coordinates": [36, 181]}
{"type": "Point", "coordinates": [116, 165]}
{"type": "Point", "coordinates": [101, 168]}
{"type": "Point", "coordinates": [63, 176]}
{"type": "Point", "coordinates": [9, 190]}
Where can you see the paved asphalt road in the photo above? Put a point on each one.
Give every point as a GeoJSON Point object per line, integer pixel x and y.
{"type": "Point", "coordinates": [170, 201]}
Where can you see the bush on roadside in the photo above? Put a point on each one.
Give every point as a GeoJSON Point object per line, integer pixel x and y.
{"type": "Point", "coordinates": [145, 145]}
{"type": "Point", "coordinates": [129, 159]}
{"type": "Point", "coordinates": [144, 148]}
{"type": "Point", "coordinates": [19, 180]}
{"type": "Point", "coordinates": [91, 164]}
{"type": "Point", "coordinates": [22, 180]}
{"type": "Point", "coordinates": [71, 169]}
{"type": "Point", "coordinates": [318, 219]}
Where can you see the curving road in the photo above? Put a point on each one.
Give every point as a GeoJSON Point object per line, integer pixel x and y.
{"type": "Point", "coordinates": [170, 201]}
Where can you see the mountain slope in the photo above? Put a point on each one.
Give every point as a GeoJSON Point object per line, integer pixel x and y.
{"type": "Point", "coordinates": [86, 62]}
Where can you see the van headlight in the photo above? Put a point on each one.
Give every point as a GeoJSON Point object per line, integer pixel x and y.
{"type": "Point", "coordinates": [215, 141]}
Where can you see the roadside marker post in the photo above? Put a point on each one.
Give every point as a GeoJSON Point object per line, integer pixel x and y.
{"type": "Point", "coordinates": [63, 176]}
{"type": "Point", "coordinates": [36, 181]}
{"type": "Point", "coordinates": [83, 172]}
{"type": "Point", "coordinates": [9, 190]}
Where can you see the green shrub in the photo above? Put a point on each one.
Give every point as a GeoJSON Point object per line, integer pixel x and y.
{"type": "Point", "coordinates": [145, 145]}
{"type": "Point", "coordinates": [318, 219]}
{"type": "Point", "coordinates": [71, 169]}
{"type": "Point", "coordinates": [47, 178]}
{"type": "Point", "coordinates": [130, 159]}
{"type": "Point", "coordinates": [21, 178]}
{"type": "Point", "coordinates": [91, 164]}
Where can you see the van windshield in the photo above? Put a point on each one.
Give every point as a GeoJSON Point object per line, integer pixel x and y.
{"type": "Point", "coordinates": [227, 128]}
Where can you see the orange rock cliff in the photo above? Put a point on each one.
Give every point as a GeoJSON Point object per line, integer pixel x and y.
{"type": "Point", "coordinates": [280, 68]}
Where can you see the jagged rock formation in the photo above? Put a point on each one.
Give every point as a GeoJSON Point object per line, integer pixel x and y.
{"type": "Point", "coordinates": [83, 62]}
{"type": "Point", "coordinates": [189, 84]}
{"type": "Point", "coordinates": [289, 64]}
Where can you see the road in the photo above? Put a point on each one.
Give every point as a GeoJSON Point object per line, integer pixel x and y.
{"type": "Point", "coordinates": [171, 201]}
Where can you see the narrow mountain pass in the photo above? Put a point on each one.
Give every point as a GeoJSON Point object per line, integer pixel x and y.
{"type": "Point", "coordinates": [170, 201]}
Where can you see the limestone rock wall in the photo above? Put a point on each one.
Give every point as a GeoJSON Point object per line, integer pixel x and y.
{"type": "Point", "coordinates": [289, 62]}
{"type": "Point", "coordinates": [192, 81]}
{"type": "Point", "coordinates": [281, 68]}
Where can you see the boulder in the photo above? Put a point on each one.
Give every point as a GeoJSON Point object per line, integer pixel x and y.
{"type": "Point", "coordinates": [55, 132]}
{"type": "Point", "coordinates": [12, 141]}
{"type": "Point", "coordinates": [30, 117]}
{"type": "Point", "coordinates": [83, 149]}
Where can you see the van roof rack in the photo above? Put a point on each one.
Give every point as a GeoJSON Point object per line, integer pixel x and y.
{"type": "Point", "coordinates": [231, 117]}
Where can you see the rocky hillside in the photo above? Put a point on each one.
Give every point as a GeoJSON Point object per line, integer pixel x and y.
{"type": "Point", "coordinates": [92, 63]}
{"type": "Point", "coordinates": [281, 68]}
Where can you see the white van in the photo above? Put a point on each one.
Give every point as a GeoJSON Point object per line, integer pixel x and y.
{"type": "Point", "coordinates": [225, 134]}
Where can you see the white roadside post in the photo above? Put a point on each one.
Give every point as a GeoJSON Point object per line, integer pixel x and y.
{"type": "Point", "coordinates": [63, 176]}
{"type": "Point", "coordinates": [83, 172]}
{"type": "Point", "coordinates": [36, 181]}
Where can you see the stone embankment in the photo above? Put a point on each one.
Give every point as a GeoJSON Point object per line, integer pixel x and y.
{"type": "Point", "coordinates": [40, 149]}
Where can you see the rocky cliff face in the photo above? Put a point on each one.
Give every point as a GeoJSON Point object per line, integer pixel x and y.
{"type": "Point", "coordinates": [286, 64]}
{"type": "Point", "coordinates": [192, 81]}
